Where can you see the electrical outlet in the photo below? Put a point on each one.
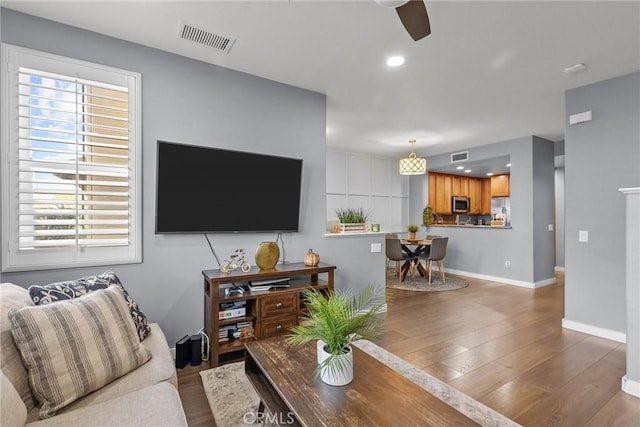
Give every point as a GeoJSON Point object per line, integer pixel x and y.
{"type": "Point", "coordinates": [376, 247]}
{"type": "Point", "coordinates": [583, 236]}
{"type": "Point", "coordinates": [507, 264]}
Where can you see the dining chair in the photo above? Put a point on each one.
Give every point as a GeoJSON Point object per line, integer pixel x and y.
{"type": "Point", "coordinates": [437, 252]}
{"type": "Point", "coordinates": [394, 252]}
{"type": "Point", "coordinates": [427, 249]}
{"type": "Point", "coordinates": [390, 236]}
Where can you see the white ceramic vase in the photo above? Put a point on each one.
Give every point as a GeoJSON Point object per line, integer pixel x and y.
{"type": "Point", "coordinates": [340, 371]}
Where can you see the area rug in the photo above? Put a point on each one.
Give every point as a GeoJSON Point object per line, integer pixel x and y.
{"type": "Point", "coordinates": [421, 284]}
{"type": "Point", "coordinates": [232, 399]}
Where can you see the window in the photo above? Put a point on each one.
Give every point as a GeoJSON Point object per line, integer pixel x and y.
{"type": "Point", "coordinates": [71, 163]}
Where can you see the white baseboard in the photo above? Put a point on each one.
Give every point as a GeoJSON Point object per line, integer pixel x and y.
{"type": "Point", "coordinates": [595, 331]}
{"type": "Point", "coordinates": [173, 352]}
{"type": "Point", "coordinates": [523, 284]}
{"type": "Point", "coordinates": [630, 387]}
{"type": "Point", "coordinates": [558, 268]}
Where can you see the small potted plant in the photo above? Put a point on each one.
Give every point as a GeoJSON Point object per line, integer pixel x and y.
{"type": "Point", "coordinates": [336, 319]}
{"type": "Point", "coordinates": [413, 229]}
{"type": "Point", "coordinates": [352, 219]}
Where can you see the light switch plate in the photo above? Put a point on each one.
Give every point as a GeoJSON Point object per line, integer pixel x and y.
{"type": "Point", "coordinates": [550, 228]}
{"type": "Point", "coordinates": [583, 236]}
{"type": "Point", "coordinates": [376, 247]}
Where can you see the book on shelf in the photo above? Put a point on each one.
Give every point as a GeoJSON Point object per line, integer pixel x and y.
{"type": "Point", "coordinates": [235, 331]}
{"type": "Point", "coordinates": [231, 313]}
{"type": "Point", "coordinates": [229, 310]}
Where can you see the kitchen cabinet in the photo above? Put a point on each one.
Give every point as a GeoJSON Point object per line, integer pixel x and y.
{"type": "Point", "coordinates": [432, 190]}
{"type": "Point", "coordinates": [486, 196]}
{"type": "Point", "coordinates": [440, 193]}
{"type": "Point", "coordinates": [459, 186]}
{"type": "Point", "coordinates": [500, 186]}
{"type": "Point", "coordinates": [475, 196]}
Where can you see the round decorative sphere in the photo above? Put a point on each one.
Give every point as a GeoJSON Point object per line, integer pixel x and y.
{"type": "Point", "coordinates": [267, 255]}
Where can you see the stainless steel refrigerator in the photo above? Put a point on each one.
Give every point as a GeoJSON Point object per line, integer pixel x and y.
{"type": "Point", "coordinates": [501, 205]}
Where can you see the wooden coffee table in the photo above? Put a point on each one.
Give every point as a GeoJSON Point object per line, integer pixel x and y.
{"type": "Point", "coordinates": [285, 381]}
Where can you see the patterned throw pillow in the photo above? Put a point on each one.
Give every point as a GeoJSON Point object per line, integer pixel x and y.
{"type": "Point", "coordinates": [72, 289]}
{"type": "Point", "coordinates": [76, 347]}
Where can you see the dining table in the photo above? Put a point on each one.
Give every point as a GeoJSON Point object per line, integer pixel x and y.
{"type": "Point", "coordinates": [413, 248]}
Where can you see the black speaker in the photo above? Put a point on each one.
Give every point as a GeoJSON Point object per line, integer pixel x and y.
{"type": "Point", "coordinates": [183, 352]}
{"type": "Point", "coordinates": [196, 350]}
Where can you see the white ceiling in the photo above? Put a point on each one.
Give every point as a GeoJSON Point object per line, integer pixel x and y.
{"type": "Point", "coordinates": [490, 71]}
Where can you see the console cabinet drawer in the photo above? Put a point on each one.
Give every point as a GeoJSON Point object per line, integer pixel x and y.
{"type": "Point", "coordinates": [278, 305]}
{"type": "Point", "coordinates": [277, 326]}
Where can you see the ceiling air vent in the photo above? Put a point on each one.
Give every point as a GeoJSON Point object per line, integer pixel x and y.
{"type": "Point", "coordinates": [204, 37]}
{"type": "Point", "coordinates": [459, 157]}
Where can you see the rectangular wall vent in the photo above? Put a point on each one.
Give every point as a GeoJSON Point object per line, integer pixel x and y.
{"type": "Point", "coordinates": [459, 157]}
{"type": "Point", "coordinates": [204, 37]}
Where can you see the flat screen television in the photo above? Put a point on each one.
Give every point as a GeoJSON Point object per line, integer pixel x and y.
{"type": "Point", "coordinates": [203, 189]}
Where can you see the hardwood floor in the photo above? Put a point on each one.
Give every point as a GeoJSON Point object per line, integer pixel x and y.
{"type": "Point", "coordinates": [502, 345]}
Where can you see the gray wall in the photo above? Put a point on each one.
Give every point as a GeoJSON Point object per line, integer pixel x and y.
{"type": "Point", "coordinates": [192, 102]}
{"type": "Point", "coordinates": [601, 156]}
{"type": "Point", "coordinates": [560, 216]}
{"type": "Point", "coordinates": [527, 245]}
{"type": "Point", "coordinates": [543, 209]}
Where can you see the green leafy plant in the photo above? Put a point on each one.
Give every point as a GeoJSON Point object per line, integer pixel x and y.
{"type": "Point", "coordinates": [338, 319]}
{"type": "Point", "coordinates": [352, 215]}
{"type": "Point", "coordinates": [412, 228]}
{"type": "Point", "coordinates": [427, 216]}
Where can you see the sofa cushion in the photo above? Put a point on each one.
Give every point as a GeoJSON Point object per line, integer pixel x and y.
{"type": "Point", "coordinates": [71, 289]}
{"type": "Point", "coordinates": [13, 412]}
{"type": "Point", "coordinates": [161, 368]}
{"type": "Point", "coordinates": [73, 348]}
{"type": "Point", "coordinates": [13, 297]}
{"type": "Point", "coordinates": [154, 406]}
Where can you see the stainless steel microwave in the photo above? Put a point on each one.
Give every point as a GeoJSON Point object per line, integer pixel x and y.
{"type": "Point", "coordinates": [460, 204]}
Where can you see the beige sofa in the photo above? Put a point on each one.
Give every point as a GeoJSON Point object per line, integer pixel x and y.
{"type": "Point", "coordinates": [146, 396]}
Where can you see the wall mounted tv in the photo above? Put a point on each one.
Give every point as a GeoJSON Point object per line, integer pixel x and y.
{"type": "Point", "coordinates": [204, 189]}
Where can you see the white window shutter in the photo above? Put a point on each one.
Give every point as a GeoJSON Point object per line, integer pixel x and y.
{"type": "Point", "coordinates": [73, 169]}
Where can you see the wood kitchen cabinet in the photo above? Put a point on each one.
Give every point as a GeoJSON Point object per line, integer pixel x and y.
{"type": "Point", "coordinates": [486, 196]}
{"type": "Point", "coordinates": [500, 186]}
{"type": "Point", "coordinates": [443, 194]}
{"type": "Point", "coordinates": [432, 190]}
{"type": "Point", "coordinates": [440, 193]}
{"type": "Point", "coordinates": [460, 186]}
{"type": "Point", "coordinates": [475, 196]}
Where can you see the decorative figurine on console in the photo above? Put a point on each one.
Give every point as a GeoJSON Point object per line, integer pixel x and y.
{"type": "Point", "coordinates": [236, 260]}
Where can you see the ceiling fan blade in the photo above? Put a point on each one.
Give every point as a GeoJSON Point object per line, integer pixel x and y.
{"type": "Point", "coordinates": [413, 15]}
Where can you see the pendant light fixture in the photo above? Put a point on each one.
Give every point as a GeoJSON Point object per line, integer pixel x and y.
{"type": "Point", "coordinates": [413, 165]}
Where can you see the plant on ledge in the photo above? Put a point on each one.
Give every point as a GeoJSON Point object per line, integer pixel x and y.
{"type": "Point", "coordinates": [352, 215]}
{"type": "Point", "coordinates": [337, 319]}
{"type": "Point", "coordinates": [427, 217]}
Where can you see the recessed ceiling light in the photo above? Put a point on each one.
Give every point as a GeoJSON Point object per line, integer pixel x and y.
{"type": "Point", "coordinates": [575, 68]}
{"type": "Point", "coordinates": [489, 174]}
{"type": "Point", "coordinates": [467, 171]}
{"type": "Point", "coordinates": [460, 167]}
{"type": "Point", "coordinates": [508, 165]}
{"type": "Point", "coordinates": [395, 61]}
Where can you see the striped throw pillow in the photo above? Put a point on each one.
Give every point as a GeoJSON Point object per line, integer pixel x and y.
{"type": "Point", "coordinates": [75, 347]}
